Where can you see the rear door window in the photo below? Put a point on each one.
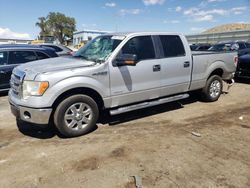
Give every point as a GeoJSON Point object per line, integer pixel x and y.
{"type": "Point", "coordinates": [141, 46]}
{"type": "Point", "coordinates": [18, 57]}
{"type": "Point", "coordinates": [3, 58]}
{"type": "Point", "coordinates": [172, 46]}
{"type": "Point", "coordinates": [41, 55]}
{"type": "Point", "coordinates": [56, 48]}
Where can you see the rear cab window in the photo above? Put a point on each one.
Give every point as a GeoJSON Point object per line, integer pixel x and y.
{"type": "Point", "coordinates": [18, 57]}
{"type": "Point", "coordinates": [3, 58]}
{"type": "Point", "coordinates": [172, 46]}
{"type": "Point", "coordinates": [142, 46]}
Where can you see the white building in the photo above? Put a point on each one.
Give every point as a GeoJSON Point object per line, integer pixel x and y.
{"type": "Point", "coordinates": [86, 35]}
{"type": "Point", "coordinates": [14, 41]}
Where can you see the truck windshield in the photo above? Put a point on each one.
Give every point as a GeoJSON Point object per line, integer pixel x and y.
{"type": "Point", "coordinates": [100, 48]}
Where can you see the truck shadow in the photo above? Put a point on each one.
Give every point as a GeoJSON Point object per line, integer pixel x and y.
{"type": "Point", "coordinates": [146, 112]}
{"type": "Point", "coordinates": [49, 132]}
{"type": "Point", "coordinates": [36, 131]}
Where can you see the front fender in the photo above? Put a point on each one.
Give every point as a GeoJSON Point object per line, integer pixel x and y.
{"type": "Point", "coordinates": [76, 82]}
{"type": "Point", "coordinates": [55, 90]}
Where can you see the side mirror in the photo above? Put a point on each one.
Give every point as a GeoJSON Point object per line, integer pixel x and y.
{"type": "Point", "coordinates": [126, 60]}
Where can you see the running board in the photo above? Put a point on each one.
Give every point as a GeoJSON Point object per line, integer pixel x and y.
{"type": "Point", "coordinates": [147, 104]}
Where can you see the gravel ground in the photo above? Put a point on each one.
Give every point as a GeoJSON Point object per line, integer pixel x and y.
{"type": "Point", "coordinates": [182, 144]}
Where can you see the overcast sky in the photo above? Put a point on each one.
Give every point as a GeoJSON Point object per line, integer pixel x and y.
{"type": "Point", "coordinates": [18, 17]}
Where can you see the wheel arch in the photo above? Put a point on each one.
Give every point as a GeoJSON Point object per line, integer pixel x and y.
{"type": "Point", "coordinates": [216, 68]}
{"type": "Point", "coordinates": [80, 90]}
{"type": "Point", "coordinates": [217, 71]}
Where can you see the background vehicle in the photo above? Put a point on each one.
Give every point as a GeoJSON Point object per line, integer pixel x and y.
{"type": "Point", "coordinates": [80, 45]}
{"type": "Point", "coordinates": [200, 47]}
{"type": "Point", "coordinates": [243, 67]}
{"type": "Point", "coordinates": [36, 42]}
{"type": "Point", "coordinates": [243, 52]}
{"type": "Point", "coordinates": [118, 72]}
{"type": "Point", "coordinates": [229, 46]}
{"type": "Point", "coordinates": [44, 39]}
{"type": "Point", "coordinates": [59, 49]}
{"type": "Point", "coordinates": [13, 55]}
{"type": "Point", "coordinates": [193, 46]}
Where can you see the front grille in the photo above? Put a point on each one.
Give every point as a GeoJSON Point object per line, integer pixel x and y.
{"type": "Point", "coordinates": [16, 82]}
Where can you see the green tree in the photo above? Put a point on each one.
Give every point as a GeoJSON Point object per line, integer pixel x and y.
{"type": "Point", "coordinates": [42, 23]}
{"type": "Point", "coordinates": [57, 25]}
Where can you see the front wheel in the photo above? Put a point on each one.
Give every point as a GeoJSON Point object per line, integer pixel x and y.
{"type": "Point", "coordinates": [213, 89]}
{"type": "Point", "coordinates": [76, 115]}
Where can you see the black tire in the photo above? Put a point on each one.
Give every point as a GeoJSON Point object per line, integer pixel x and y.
{"type": "Point", "coordinates": [65, 106]}
{"type": "Point", "coordinates": [206, 94]}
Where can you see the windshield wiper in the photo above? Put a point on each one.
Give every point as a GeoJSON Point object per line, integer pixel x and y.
{"type": "Point", "coordinates": [89, 59]}
{"type": "Point", "coordinates": [97, 60]}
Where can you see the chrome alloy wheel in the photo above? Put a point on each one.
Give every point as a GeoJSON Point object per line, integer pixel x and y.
{"type": "Point", "coordinates": [78, 116]}
{"type": "Point", "coordinates": [215, 89]}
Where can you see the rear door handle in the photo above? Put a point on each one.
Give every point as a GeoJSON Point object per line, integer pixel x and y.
{"type": "Point", "coordinates": [156, 68]}
{"type": "Point", "coordinates": [2, 72]}
{"type": "Point", "coordinates": [186, 64]}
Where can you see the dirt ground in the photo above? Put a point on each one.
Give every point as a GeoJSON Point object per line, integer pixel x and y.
{"type": "Point", "coordinates": [155, 145]}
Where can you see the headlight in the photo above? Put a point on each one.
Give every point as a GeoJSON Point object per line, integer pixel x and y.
{"type": "Point", "coordinates": [34, 88]}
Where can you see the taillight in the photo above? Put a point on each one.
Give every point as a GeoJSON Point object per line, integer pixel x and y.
{"type": "Point", "coordinates": [236, 60]}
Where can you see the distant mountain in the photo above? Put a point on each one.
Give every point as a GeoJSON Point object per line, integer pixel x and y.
{"type": "Point", "coordinates": [228, 27]}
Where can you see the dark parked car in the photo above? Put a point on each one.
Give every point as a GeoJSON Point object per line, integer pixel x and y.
{"type": "Point", "coordinates": [60, 49]}
{"type": "Point", "coordinates": [14, 55]}
{"type": "Point", "coordinates": [229, 46]}
{"type": "Point", "coordinates": [193, 47]}
{"type": "Point", "coordinates": [200, 47]}
{"type": "Point", "coordinates": [243, 52]}
{"type": "Point", "coordinates": [243, 67]}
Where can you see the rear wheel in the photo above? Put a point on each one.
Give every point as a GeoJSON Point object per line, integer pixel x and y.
{"type": "Point", "coordinates": [76, 115]}
{"type": "Point", "coordinates": [213, 89]}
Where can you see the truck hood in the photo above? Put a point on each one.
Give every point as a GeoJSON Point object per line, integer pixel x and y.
{"type": "Point", "coordinates": [34, 68]}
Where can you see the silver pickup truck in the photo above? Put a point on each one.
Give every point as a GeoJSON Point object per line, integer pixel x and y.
{"type": "Point", "coordinates": [120, 72]}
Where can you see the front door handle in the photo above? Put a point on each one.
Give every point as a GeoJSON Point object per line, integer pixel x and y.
{"type": "Point", "coordinates": [2, 72]}
{"type": "Point", "coordinates": [156, 68]}
{"type": "Point", "coordinates": [186, 64]}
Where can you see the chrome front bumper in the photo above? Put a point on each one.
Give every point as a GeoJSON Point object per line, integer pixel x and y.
{"type": "Point", "coordinates": [31, 115]}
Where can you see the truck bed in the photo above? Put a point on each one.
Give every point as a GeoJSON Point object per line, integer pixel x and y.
{"type": "Point", "coordinates": [206, 62]}
{"type": "Point", "coordinates": [210, 52]}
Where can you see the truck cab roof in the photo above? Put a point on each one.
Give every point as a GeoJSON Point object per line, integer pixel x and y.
{"type": "Point", "coordinates": [141, 33]}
